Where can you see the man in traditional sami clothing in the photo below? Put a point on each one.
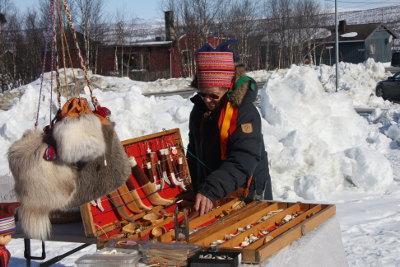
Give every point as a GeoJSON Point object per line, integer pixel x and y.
{"type": "Point", "coordinates": [7, 227]}
{"type": "Point", "coordinates": [226, 148]}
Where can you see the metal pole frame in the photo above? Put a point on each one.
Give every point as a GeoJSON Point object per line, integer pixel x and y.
{"type": "Point", "coordinates": [337, 46]}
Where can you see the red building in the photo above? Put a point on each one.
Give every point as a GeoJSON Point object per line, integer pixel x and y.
{"type": "Point", "coordinates": [149, 55]}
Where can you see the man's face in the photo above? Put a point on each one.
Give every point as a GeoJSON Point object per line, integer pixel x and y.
{"type": "Point", "coordinates": [212, 96]}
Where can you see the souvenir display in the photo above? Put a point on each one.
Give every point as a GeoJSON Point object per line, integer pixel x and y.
{"type": "Point", "coordinates": [144, 206]}
{"type": "Point", "coordinates": [154, 205]}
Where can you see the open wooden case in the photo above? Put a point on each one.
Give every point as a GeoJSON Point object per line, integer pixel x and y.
{"type": "Point", "coordinates": [259, 229]}
{"type": "Point", "coordinates": [106, 217]}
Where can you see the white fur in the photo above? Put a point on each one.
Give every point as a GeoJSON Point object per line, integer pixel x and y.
{"type": "Point", "coordinates": [40, 185]}
{"type": "Point", "coordinates": [35, 223]}
{"type": "Point", "coordinates": [79, 139]}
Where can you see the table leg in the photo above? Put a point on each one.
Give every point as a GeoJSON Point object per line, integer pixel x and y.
{"type": "Point", "coordinates": [27, 252]}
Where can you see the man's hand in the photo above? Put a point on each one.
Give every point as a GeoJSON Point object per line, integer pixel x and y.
{"type": "Point", "coordinates": [203, 204]}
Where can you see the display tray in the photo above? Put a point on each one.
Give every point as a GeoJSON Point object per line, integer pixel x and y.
{"type": "Point", "coordinates": [106, 217]}
{"type": "Point", "coordinates": [260, 229]}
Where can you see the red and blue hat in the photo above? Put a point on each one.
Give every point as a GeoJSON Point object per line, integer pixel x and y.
{"type": "Point", "coordinates": [7, 221]}
{"type": "Point", "coordinates": [215, 66]}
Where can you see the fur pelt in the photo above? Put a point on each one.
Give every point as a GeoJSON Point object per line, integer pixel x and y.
{"type": "Point", "coordinates": [79, 139]}
{"type": "Point", "coordinates": [104, 174]}
{"type": "Point", "coordinates": [238, 95]}
{"type": "Point", "coordinates": [40, 185]}
{"type": "Point", "coordinates": [43, 186]}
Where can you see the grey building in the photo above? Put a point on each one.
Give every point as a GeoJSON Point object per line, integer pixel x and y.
{"type": "Point", "coordinates": [357, 43]}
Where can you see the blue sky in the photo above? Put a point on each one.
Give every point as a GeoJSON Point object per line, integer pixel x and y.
{"type": "Point", "coordinates": [150, 9]}
{"type": "Point", "coordinates": [146, 9]}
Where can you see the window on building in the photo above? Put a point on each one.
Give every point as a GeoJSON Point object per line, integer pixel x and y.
{"type": "Point", "coordinates": [135, 61]}
{"type": "Point", "coordinates": [145, 61]}
{"type": "Point", "coordinates": [372, 49]}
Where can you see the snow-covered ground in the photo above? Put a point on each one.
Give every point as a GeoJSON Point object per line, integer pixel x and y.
{"type": "Point", "coordinates": [147, 88]}
{"type": "Point", "coordinates": [319, 148]}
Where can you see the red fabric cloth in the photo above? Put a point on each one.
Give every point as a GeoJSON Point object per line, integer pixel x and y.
{"type": "Point", "coordinates": [7, 209]}
{"type": "Point", "coordinates": [4, 256]}
{"type": "Point", "coordinates": [215, 69]}
{"type": "Point", "coordinates": [49, 153]}
{"type": "Point", "coordinates": [102, 111]}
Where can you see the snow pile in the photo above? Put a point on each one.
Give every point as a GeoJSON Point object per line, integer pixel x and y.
{"type": "Point", "coordinates": [317, 143]}
{"type": "Point", "coordinates": [357, 80]}
{"type": "Point", "coordinates": [108, 83]}
{"type": "Point", "coordinates": [388, 121]}
{"type": "Point", "coordinates": [260, 75]}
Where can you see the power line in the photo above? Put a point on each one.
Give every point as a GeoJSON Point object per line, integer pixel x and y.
{"type": "Point", "coordinates": [364, 2]}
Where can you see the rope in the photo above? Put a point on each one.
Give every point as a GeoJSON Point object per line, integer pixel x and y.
{"type": "Point", "coordinates": [64, 37]}
{"type": "Point", "coordinates": [61, 25]}
{"type": "Point", "coordinates": [196, 158]}
{"type": "Point", "coordinates": [47, 35]}
{"type": "Point", "coordinates": [53, 53]}
{"type": "Point", "coordinates": [82, 62]}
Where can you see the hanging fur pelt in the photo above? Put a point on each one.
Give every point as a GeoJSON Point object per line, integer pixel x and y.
{"type": "Point", "coordinates": [69, 180]}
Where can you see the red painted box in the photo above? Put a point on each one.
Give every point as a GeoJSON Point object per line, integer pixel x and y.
{"type": "Point", "coordinates": [105, 218]}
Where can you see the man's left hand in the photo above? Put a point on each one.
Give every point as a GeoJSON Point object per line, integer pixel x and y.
{"type": "Point", "coordinates": [203, 204]}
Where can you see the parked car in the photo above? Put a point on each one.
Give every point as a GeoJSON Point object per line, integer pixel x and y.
{"type": "Point", "coordinates": [396, 59]}
{"type": "Point", "coordinates": [389, 89]}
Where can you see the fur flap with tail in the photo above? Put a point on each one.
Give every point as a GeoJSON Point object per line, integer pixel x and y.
{"type": "Point", "coordinates": [43, 186]}
{"type": "Point", "coordinates": [40, 185]}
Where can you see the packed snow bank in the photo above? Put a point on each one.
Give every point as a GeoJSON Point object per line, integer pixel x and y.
{"type": "Point", "coordinates": [317, 143]}
{"type": "Point", "coordinates": [357, 80]}
{"type": "Point", "coordinates": [388, 121]}
{"type": "Point", "coordinates": [321, 247]}
{"type": "Point", "coordinates": [107, 83]}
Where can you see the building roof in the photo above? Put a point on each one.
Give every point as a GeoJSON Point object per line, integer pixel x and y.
{"type": "Point", "coordinates": [135, 34]}
{"type": "Point", "coordinates": [356, 32]}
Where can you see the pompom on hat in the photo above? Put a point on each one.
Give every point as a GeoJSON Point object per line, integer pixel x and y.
{"type": "Point", "coordinates": [215, 66]}
{"type": "Point", "coordinates": [7, 221]}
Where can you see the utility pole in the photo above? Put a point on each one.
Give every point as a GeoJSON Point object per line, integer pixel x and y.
{"type": "Point", "coordinates": [337, 46]}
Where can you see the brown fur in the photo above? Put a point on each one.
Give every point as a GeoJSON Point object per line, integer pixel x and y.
{"type": "Point", "coordinates": [95, 179]}
{"type": "Point", "coordinates": [237, 96]}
